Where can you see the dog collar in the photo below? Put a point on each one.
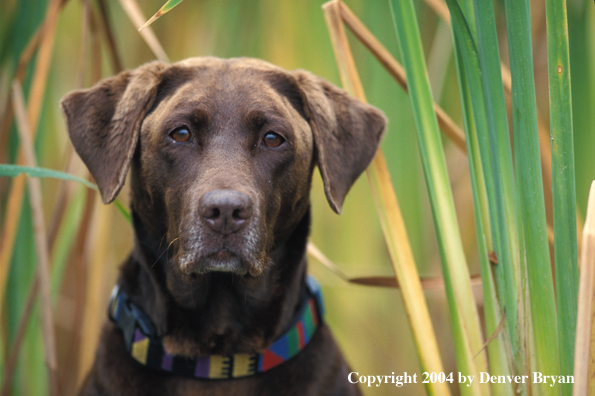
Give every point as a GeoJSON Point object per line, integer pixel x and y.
{"type": "Point", "coordinates": [146, 347]}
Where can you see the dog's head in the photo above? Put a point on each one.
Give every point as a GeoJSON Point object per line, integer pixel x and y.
{"type": "Point", "coordinates": [222, 153]}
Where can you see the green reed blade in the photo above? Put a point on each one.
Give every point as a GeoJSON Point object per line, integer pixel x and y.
{"type": "Point", "coordinates": [464, 320]}
{"type": "Point", "coordinates": [502, 196]}
{"type": "Point", "coordinates": [530, 191]}
{"type": "Point", "coordinates": [475, 119]}
{"type": "Point", "coordinates": [167, 7]}
{"type": "Point", "coordinates": [11, 170]}
{"type": "Point", "coordinates": [564, 188]}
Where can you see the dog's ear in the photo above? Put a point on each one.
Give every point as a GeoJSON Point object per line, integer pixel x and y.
{"type": "Point", "coordinates": [104, 123]}
{"type": "Point", "coordinates": [346, 131]}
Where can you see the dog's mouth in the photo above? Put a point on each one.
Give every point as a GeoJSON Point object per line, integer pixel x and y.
{"type": "Point", "coordinates": [220, 260]}
{"type": "Point", "coordinates": [198, 251]}
{"type": "Point", "coordinates": [223, 261]}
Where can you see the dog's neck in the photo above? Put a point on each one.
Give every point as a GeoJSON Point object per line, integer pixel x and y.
{"type": "Point", "coordinates": [217, 313]}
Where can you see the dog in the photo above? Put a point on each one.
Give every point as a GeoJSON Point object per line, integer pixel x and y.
{"type": "Point", "coordinates": [221, 155]}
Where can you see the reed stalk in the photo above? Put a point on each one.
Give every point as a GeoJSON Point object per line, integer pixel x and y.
{"type": "Point", "coordinates": [530, 193]}
{"type": "Point", "coordinates": [43, 260]}
{"type": "Point", "coordinates": [390, 216]}
{"type": "Point", "coordinates": [464, 319]}
{"type": "Point", "coordinates": [564, 186]}
{"type": "Point", "coordinates": [497, 155]}
{"type": "Point", "coordinates": [474, 112]}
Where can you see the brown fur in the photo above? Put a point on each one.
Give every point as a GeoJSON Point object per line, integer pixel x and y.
{"type": "Point", "coordinates": [216, 292]}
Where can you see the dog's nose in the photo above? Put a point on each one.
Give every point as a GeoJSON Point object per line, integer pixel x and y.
{"type": "Point", "coordinates": [225, 211]}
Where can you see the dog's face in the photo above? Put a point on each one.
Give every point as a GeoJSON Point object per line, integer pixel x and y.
{"type": "Point", "coordinates": [222, 153]}
{"type": "Point", "coordinates": [226, 154]}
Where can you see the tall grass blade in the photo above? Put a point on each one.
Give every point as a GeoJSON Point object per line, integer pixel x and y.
{"type": "Point", "coordinates": [394, 68]}
{"type": "Point", "coordinates": [15, 348]}
{"type": "Point", "coordinates": [23, 272]}
{"type": "Point", "coordinates": [40, 241]}
{"type": "Point", "coordinates": [114, 57]}
{"type": "Point", "coordinates": [96, 253]}
{"type": "Point", "coordinates": [61, 232]}
{"type": "Point", "coordinates": [59, 251]}
{"type": "Point", "coordinates": [65, 193]}
{"type": "Point", "coordinates": [584, 327]}
{"type": "Point", "coordinates": [464, 318]}
{"type": "Point", "coordinates": [530, 191]}
{"type": "Point", "coordinates": [135, 14]}
{"type": "Point", "coordinates": [95, 58]}
{"type": "Point", "coordinates": [123, 211]}
{"type": "Point", "coordinates": [474, 114]}
{"type": "Point", "coordinates": [167, 7]}
{"type": "Point", "coordinates": [438, 7]}
{"type": "Point", "coordinates": [434, 283]}
{"type": "Point", "coordinates": [390, 216]}
{"type": "Point", "coordinates": [43, 63]}
{"type": "Point", "coordinates": [441, 10]}
{"type": "Point", "coordinates": [78, 263]}
{"type": "Point", "coordinates": [497, 156]}
{"type": "Point", "coordinates": [9, 230]}
{"type": "Point", "coordinates": [85, 22]}
{"type": "Point", "coordinates": [23, 62]}
{"type": "Point", "coordinates": [393, 227]}
{"type": "Point", "coordinates": [564, 191]}
{"type": "Point", "coordinates": [37, 93]}
{"type": "Point", "coordinates": [11, 170]}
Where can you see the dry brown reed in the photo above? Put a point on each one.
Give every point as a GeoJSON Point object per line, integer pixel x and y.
{"type": "Point", "coordinates": [46, 38]}
{"type": "Point", "coordinates": [584, 383]}
{"type": "Point", "coordinates": [138, 19]}
{"type": "Point", "coordinates": [394, 68]}
{"type": "Point", "coordinates": [389, 213]}
{"type": "Point", "coordinates": [43, 260]}
{"type": "Point", "coordinates": [427, 283]}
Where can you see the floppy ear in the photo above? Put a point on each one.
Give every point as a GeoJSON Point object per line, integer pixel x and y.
{"type": "Point", "coordinates": [104, 123]}
{"type": "Point", "coordinates": [346, 131]}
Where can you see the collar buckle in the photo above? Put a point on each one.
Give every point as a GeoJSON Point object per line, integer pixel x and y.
{"type": "Point", "coordinates": [128, 316]}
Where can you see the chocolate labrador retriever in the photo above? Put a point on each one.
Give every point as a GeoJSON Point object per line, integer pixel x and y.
{"type": "Point", "coordinates": [214, 298]}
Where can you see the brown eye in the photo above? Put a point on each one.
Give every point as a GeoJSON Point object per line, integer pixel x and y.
{"type": "Point", "coordinates": [272, 139]}
{"type": "Point", "coordinates": [181, 134]}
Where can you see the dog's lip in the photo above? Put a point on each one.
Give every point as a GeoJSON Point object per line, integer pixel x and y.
{"type": "Point", "coordinates": [221, 260]}
{"type": "Point", "coordinates": [224, 261]}
{"type": "Point", "coordinates": [222, 254]}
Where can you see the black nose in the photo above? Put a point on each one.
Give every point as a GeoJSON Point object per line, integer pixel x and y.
{"type": "Point", "coordinates": [225, 211]}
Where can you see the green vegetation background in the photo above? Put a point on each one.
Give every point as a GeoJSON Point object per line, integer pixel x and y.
{"type": "Point", "coordinates": [369, 323]}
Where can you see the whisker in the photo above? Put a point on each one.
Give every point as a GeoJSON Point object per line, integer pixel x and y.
{"type": "Point", "coordinates": [161, 241]}
{"type": "Point", "coordinates": [165, 251]}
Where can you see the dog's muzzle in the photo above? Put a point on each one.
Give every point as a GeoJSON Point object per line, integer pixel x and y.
{"type": "Point", "coordinates": [225, 211]}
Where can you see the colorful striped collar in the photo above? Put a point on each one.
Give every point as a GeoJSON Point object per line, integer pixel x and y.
{"type": "Point", "coordinates": [146, 346]}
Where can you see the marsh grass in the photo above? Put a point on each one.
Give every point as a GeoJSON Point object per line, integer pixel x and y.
{"type": "Point", "coordinates": [517, 215]}
{"type": "Point", "coordinates": [411, 181]}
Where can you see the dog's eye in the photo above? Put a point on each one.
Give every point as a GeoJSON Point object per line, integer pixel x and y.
{"type": "Point", "coordinates": [181, 134]}
{"type": "Point", "coordinates": [272, 139]}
